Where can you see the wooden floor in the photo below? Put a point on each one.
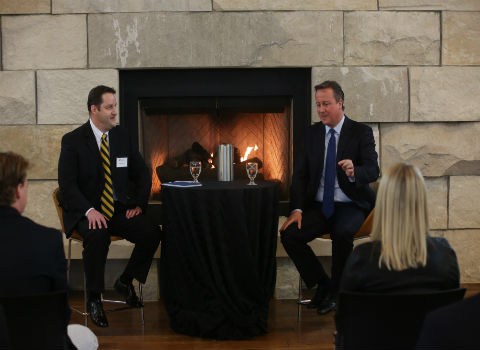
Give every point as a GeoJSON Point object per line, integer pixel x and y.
{"type": "Point", "coordinates": [125, 330]}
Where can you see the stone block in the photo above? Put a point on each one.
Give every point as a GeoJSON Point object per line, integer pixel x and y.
{"type": "Point", "coordinates": [39, 144]}
{"type": "Point", "coordinates": [40, 207]}
{"type": "Point", "coordinates": [216, 39]}
{"type": "Point", "coordinates": [464, 202]}
{"type": "Point", "coordinates": [392, 38]}
{"type": "Point", "coordinates": [437, 193]}
{"type": "Point", "coordinates": [292, 5]}
{"type": "Point", "coordinates": [433, 147]}
{"type": "Point", "coordinates": [99, 6]}
{"type": "Point", "coordinates": [62, 94]}
{"type": "Point", "coordinates": [444, 94]}
{"type": "Point", "coordinates": [286, 286]}
{"type": "Point", "coordinates": [460, 32]}
{"type": "Point", "coordinates": [17, 97]}
{"type": "Point", "coordinates": [372, 94]}
{"type": "Point", "coordinates": [466, 244]}
{"type": "Point", "coordinates": [44, 42]}
{"type": "Point", "coordinates": [454, 5]}
{"type": "Point", "coordinates": [18, 7]}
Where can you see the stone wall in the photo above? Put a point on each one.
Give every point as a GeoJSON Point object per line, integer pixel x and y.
{"type": "Point", "coordinates": [410, 68]}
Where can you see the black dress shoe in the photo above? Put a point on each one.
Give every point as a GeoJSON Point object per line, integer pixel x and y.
{"type": "Point", "coordinates": [318, 298]}
{"type": "Point", "coordinates": [329, 304]}
{"type": "Point", "coordinates": [97, 314]}
{"type": "Point", "coordinates": [128, 292]}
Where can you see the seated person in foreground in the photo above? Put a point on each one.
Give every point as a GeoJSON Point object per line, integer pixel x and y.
{"type": "Point", "coordinates": [454, 326]}
{"type": "Point", "coordinates": [402, 257]}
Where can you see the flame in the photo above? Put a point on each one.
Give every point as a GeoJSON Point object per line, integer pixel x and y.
{"type": "Point", "coordinates": [247, 152]}
{"type": "Point", "coordinates": [210, 160]}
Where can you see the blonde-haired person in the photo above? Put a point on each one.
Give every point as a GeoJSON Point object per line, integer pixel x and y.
{"type": "Point", "coordinates": [401, 257]}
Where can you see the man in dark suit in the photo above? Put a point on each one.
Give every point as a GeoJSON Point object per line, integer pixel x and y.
{"type": "Point", "coordinates": [98, 165]}
{"type": "Point", "coordinates": [329, 192]}
{"type": "Point", "coordinates": [32, 260]}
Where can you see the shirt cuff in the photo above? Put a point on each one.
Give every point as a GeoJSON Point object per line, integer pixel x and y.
{"type": "Point", "coordinates": [294, 210]}
{"type": "Point", "coordinates": [351, 179]}
{"type": "Point", "coordinates": [88, 211]}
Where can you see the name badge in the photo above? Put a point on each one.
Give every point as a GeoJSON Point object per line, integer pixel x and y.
{"type": "Point", "coordinates": [122, 162]}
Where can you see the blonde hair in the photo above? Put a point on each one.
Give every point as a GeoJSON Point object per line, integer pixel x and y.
{"type": "Point", "coordinates": [400, 222]}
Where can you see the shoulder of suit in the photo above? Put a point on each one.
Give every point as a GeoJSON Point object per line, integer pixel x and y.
{"type": "Point", "coordinates": [355, 125]}
{"type": "Point", "coordinates": [44, 231]}
{"type": "Point", "coordinates": [78, 131]}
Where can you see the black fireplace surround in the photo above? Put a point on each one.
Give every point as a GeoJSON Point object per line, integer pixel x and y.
{"type": "Point", "coordinates": [136, 86]}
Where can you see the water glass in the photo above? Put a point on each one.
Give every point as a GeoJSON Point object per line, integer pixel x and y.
{"type": "Point", "coordinates": [195, 169]}
{"type": "Point", "coordinates": [252, 170]}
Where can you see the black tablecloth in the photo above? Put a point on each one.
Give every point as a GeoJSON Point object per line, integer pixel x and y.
{"type": "Point", "coordinates": [217, 267]}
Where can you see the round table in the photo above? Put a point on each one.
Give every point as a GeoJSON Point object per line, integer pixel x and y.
{"type": "Point", "coordinates": [217, 266]}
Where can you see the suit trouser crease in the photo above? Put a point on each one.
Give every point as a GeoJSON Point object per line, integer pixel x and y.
{"type": "Point", "coordinates": [342, 226]}
{"type": "Point", "coordinates": [137, 230]}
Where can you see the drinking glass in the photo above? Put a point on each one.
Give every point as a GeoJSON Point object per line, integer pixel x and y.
{"type": "Point", "coordinates": [195, 169]}
{"type": "Point", "coordinates": [252, 170]}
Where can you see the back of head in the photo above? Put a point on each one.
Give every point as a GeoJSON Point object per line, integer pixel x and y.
{"type": "Point", "coordinates": [13, 171]}
{"type": "Point", "coordinates": [400, 222]}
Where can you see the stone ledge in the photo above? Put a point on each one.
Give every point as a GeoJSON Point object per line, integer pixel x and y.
{"type": "Point", "coordinates": [293, 5]}
{"type": "Point", "coordinates": [215, 39]}
{"type": "Point", "coordinates": [456, 5]}
{"type": "Point", "coordinates": [19, 7]}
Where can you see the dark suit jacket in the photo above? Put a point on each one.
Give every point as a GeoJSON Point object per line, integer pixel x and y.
{"type": "Point", "coordinates": [362, 274]}
{"type": "Point", "coordinates": [32, 260]}
{"type": "Point", "coordinates": [454, 326]}
{"type": "Point", "coordinates": [356, 143]}
{"type": "Point", "coordinates": [81, 178]}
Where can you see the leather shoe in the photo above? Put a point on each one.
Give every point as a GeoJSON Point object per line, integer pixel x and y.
{"type": "Point", "coordinates": [329, 304]}
{"type": "Point", "coordinates": [318, 298]}
{"type": "Point", "coordinates": [128, 292]}
{"type": "Point", "coordinates": [97, 314]}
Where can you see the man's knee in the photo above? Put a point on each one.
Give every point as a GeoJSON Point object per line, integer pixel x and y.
{"type": "Point", "coordinates": [97, 237]}
{"type": "Point", "coordinates": [290, 235]}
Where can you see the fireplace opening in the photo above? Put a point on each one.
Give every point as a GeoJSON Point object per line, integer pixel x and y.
{"type": "Point", "coordinates": [174, 113]}
{"type": "Point", "coordinates": [174, 131]}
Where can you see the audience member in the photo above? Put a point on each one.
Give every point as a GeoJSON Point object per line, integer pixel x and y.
{"type": "Point", "coordinates": [401, 257]}
{"type": "Point", "coordinates": [454, 326]}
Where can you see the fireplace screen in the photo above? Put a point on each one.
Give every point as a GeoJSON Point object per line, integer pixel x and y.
{"type": "Point", "coordinates": [174, 131]}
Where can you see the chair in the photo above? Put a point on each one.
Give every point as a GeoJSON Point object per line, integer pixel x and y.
{"type": "Point", "coordinates": [34, 322]}
{"type": "Point", "coordinates": [386, 321]}
{"type": "Point", "coordinates": [76, 237]}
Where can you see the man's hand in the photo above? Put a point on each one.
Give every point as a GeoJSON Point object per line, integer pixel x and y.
{"type": "Point", "coordinates": [133, 212]}
{"type": "Point", "coordinates": [96, 220]}
{"type": "Point", "coordinates": [295, 216]}
{"type": "Point", "coordinates": [347, 166]}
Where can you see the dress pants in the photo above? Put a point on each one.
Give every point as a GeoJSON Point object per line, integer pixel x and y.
{"type": "Point", "coordinates": [96, 243]}
{"type": "Point", "coordinates": [342, 226]}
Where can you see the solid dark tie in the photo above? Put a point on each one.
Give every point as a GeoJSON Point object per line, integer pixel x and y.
{"type": "Point", "coordinates": [106, 204]}
{"type": "Point", "coordinates": [329, 181]}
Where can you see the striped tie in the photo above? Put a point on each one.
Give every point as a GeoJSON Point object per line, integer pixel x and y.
{"type": "Point", "coordinates": [107, 194]}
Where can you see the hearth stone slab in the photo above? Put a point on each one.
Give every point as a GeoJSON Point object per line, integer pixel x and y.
{"type": "Point", "coordinates": [292, 5]}
{"type": "Point", "coordinates": [100, 6]}
{"type": "Point", "coordinates": [57, 89]}
{"type": "Point", "coordinates": [372, 94]}
{"type": "Point", "coordinates": [18, 7]}
{"type": "Point", "coordinates": [17, 97]}
{"type": "Point", "coordinates": [454, 5]}
{"type": "Point", "coordinates": [466, 244]}
{"type": "Point", "coordinates": [40, 144]}
{"type": "Point", "coordinates": [464, 201]}
{"type": "Point", "coordinates": [392, 38]}
{"type": "Point", "coordinates": [215, 39]}
{"type": "Point", "coordinates": [444, 93]}
{"type": "Point", "coordinates": [460, 32]}
{"type": "Point", "coordinates": [433, 147]}
{"type": "Point", "coordinates": [44, 42]}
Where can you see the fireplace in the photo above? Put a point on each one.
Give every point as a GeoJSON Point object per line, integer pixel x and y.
{"type": "Point", "coordinates": [167, 111]}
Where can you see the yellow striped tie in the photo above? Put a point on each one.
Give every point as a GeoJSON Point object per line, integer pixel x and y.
{"type": "Point", "coordinates": [107, 194]}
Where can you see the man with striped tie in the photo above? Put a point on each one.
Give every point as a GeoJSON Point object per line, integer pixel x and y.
{"type": "Point", "coordinates": [98, 164]}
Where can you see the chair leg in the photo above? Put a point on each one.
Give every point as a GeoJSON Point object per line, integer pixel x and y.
{"type": "Point", "coordinates": [85, 313]}
{"type": "Point", "coordinates": [140, 291]}
{"type": "Point", "coordinates": [299, 300]}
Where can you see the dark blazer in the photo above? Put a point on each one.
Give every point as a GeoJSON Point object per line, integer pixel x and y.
{"type": "Point", "coordinates": [356, 143]}
{"type": "Point", "coordinates": [32, 259]}
{"type": "Point", "coordinates": [362, 274]}
{"type": "Point", "coordinates": [454, 326]}
{"type": "Point", "coordinates": [81, 178]}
